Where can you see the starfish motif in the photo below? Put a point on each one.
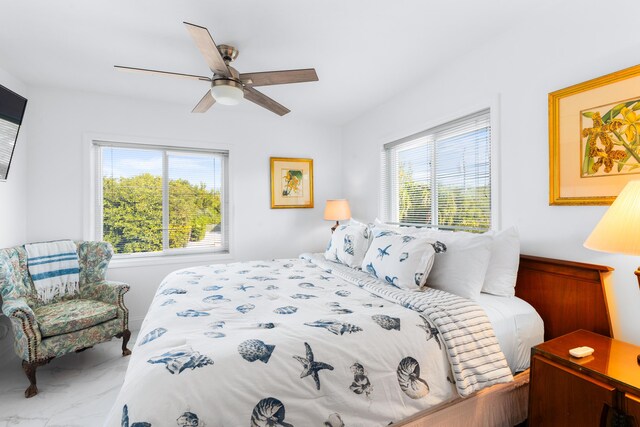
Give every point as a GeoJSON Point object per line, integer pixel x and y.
{"type": "Point", "coordinates": [244, 287]}
{"type": "Point", "coordinates": [431, 331]}
{"type": "Point", "coordinates": [383, 252]}
{"type": "Point", "coordinates": [311, 367]}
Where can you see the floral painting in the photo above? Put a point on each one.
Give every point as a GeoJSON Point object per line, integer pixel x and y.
{"type": "Point", "coordinates": [611, 139]}
{"type": "Point", "coordinates": [291, 183]}
{"type": "Point", "coordinates": [594, 139]}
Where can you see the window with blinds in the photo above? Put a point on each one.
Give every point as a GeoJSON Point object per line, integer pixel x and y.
{"type": "Point", "coordinates": [440, 177]}
{"type": "Point", "coordinates": [152, 199]}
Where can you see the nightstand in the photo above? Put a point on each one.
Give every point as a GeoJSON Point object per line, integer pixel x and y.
{"type": "Point", "coordinates": [595, 390]}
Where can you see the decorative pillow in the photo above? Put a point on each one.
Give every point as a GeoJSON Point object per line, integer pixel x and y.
{"type": "Point", "coordinates": [462, 268]}
{"type": "Point", "coordinates": [402, 260]}
{"type": "Point", "coordinates": [502, 272]}
{"type": "Point", "coordinates": [348, 245]}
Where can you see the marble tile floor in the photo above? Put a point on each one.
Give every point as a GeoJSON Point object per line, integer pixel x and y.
{"type": "Point", "coordinates": [75, 390]}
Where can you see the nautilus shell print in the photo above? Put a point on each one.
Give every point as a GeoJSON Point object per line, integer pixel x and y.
{"type": "Point", "coordinates": [343, 293]}
{"type": "Point", "coordinates": [409, 378]}
{"type": "Point", "coordinates": [252, 350]}
{"type": "Point", "coordinates": [269, 412]}
{"type": "Point", "coordinates": [387, 322]}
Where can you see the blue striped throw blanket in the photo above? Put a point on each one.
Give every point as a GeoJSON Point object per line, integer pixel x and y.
{"type": "Point", "coordinates": [54, 268]}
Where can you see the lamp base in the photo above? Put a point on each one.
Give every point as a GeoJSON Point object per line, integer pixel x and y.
{"type": "Point", "coordinates": [338, 223]}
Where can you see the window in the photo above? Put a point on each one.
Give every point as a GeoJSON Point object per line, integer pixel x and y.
{"type": "Point", "coordinates": [440, 177]}
{"type": "Point", "coordinates": [152, 199]}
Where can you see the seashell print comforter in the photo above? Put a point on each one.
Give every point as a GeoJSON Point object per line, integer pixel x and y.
{"type": "Point", "coordinates": [301, 342]}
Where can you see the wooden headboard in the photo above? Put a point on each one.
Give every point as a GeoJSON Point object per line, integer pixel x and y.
{"type": "Point", "coordinates": [568, 295]}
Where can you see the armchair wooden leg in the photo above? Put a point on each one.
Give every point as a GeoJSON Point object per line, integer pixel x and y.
{"type": "Point", "coordinates": [125, 335]}
{"type": "Point", "coordinates": [30, 370]}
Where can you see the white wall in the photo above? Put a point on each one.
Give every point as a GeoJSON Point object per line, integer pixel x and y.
{"type": "Point", "coordinates": [56, 182]}
{"type": "Point", "coordinates": [13, 192]}
{"type": "Point", "coordinates": [13, 198]}
{"type": "Point", "coordinates": [520, 69]}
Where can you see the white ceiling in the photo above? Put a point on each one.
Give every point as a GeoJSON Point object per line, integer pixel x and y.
{"type": "Point", "coordinates": [364, 51]}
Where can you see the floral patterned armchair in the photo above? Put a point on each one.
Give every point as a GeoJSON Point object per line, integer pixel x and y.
{"type": "Point", "coordinates": [70, 323]}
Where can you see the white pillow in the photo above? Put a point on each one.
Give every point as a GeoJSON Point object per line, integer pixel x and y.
{"type": "Point", "coordinates": [502, 272]}
{"type": "Point", "coordinates": [348, 245]}
{"type": "Point", "coordinates": [461, 269]}
{"type": "Point", "coordinates": [402, 260]}
{"type": "Point", "coordinates": [400, 229]}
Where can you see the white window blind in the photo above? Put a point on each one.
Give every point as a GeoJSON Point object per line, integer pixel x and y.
{"type": "Point", "coordinates": [152, 199]}
{"type": "Point", "coordinates": [440, 177]}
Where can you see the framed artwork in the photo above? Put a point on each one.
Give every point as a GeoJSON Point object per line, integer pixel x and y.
{"type": "Point", "coordinates": [594, 139]}
{"type": "Point", "coordinates": [291, 183]}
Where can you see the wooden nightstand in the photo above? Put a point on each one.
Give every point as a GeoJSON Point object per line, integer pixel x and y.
{"type": "Point", "coordinates": [595, 390]}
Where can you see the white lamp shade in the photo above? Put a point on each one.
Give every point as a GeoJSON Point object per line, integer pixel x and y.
{"type": "Point", "coordinates": [227, 94]}
{"type": "Point", "coordinates": [619, 229]}
{"type": "Point", "coordinates": [337, 210]}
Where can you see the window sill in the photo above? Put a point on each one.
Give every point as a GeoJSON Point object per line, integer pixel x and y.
{"type": "Point", "coordinates": [127, 261]}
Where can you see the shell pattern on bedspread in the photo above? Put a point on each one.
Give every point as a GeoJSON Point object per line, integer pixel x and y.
{"type": "Point", "coordinates": [252, 350]}
{"type": "Point", "coordinates": [155, 334]}
{"type": "Point", "coordinates": [409, 378]}
{"type": "Point", "coordinates": [387, 322]}
{"type": "Point", "coordinates": [349, 343]}
{"type": "Point", "coordinates": [269, 412]}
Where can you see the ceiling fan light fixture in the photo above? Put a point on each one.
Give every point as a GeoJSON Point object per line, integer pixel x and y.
{"type": "Point", "coordinates": [226, 91]}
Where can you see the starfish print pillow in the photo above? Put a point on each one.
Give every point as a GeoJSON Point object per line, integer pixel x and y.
{"type": "Point", "coordinates": [401, 260]}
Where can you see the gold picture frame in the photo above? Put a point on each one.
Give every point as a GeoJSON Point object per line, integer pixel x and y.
{"type": "Point", "coordinates": [594, 139]}
{"type": "Point", "coordinates": [291, 183]}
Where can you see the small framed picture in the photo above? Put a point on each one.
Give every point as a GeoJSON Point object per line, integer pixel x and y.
{"type": "Point", "coordinates": [594, 139]}
{"type": "Point", "coordinates": [291, 183]}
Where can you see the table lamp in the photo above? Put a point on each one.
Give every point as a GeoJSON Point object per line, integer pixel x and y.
{"type": "Point", "coordinates": [337, 210]}
{"type": "Point", "coordinates": [619, 229]}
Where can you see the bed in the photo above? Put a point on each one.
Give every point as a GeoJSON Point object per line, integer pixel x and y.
{"type": "Point", "coordinates": [310, 342]}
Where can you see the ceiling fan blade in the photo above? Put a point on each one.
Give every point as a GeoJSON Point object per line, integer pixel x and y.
{"type": "Point", "coordinates": [264, 101]}
{"type": "Point", "coordinates": [205, 103]}
{"type": "Point", "coordinates": [279, 77]}
{"type": "Point", "coordinates": [162, 73]}
{"type": "Point", "coordinates": [208, 48]}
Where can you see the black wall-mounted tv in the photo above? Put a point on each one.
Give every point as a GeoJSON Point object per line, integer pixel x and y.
{"type": "Point", "coordinates": [12, 108]}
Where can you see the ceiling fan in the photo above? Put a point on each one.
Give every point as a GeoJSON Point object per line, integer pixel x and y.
{"type": "Point", "coordinates": [227, 85]}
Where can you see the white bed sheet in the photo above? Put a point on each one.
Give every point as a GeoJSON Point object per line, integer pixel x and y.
{"type": "Point", "coordinates": [517, 326]}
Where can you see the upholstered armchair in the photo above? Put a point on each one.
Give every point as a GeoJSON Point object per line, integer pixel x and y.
{"type": "Point", "coordinates": [71, 323]}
